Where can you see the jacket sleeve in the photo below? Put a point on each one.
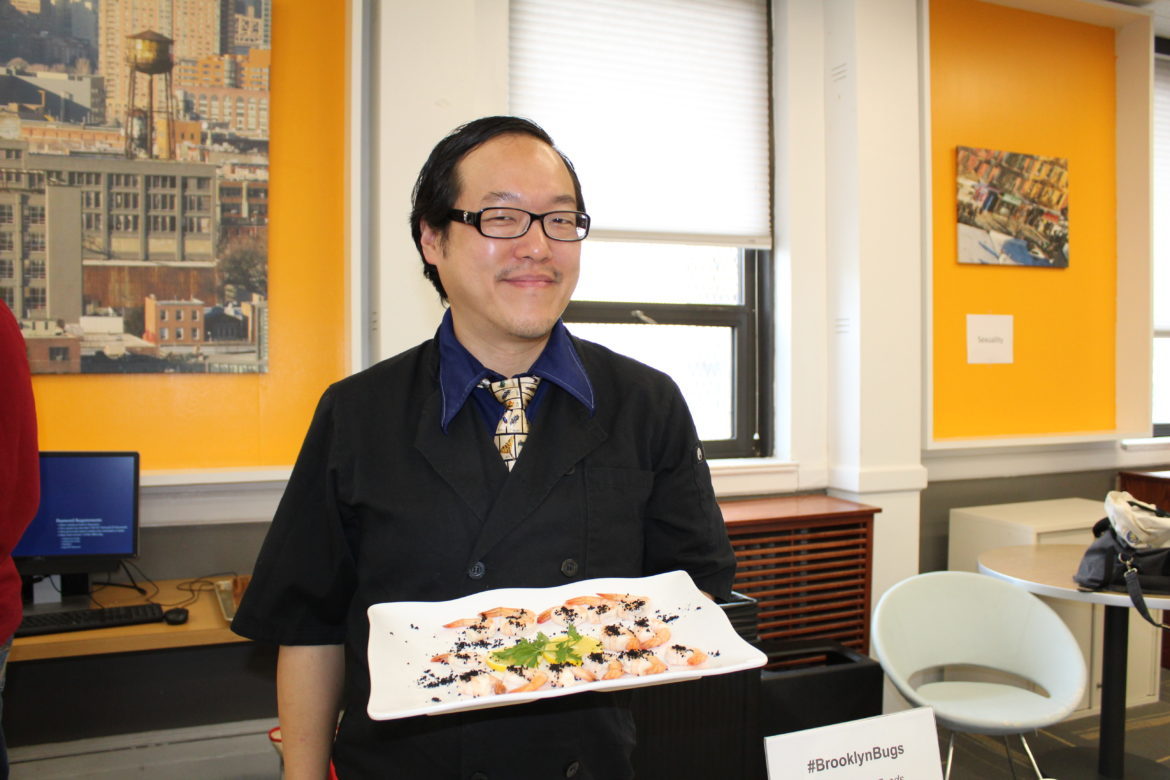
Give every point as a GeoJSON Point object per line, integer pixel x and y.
{"type": "Point", "coordinates": [305, 574]}
{"type": "Point", "coordinates": [684, 527]}
{"type": "Point", "coordinates": [19, 463]}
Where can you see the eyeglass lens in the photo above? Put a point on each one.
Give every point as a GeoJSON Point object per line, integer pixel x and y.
{"type": "Point", "coordinates": [512, 223]}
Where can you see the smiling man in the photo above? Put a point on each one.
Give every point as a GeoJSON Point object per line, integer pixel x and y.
{"type": "Point", "coordinates": [502, 453]}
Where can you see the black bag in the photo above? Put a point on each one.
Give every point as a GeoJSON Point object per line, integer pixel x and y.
{"type": "Point", "coordinates": [1111, 564]}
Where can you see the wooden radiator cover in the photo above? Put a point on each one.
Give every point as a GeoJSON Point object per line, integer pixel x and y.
{"type": "Point", "coordinates": [808, 561]}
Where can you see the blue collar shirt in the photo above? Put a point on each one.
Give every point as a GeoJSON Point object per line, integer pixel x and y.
{"type": "Point", "coordinates": [460, 374]}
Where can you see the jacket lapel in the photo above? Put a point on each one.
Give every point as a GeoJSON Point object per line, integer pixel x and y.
{"type": "Point", "coordinates": [562, 435]}
{"type": "Point", "coordinates": [457, 455]}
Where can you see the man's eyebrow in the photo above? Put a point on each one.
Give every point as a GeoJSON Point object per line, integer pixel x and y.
{"type": "Point", "coordinates": [503, 196]}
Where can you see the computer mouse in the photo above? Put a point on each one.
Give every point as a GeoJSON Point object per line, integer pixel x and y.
{"type": "Point", "coordinates": [176, 616]}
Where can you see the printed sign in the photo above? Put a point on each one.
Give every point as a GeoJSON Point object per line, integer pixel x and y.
{"type": "Point", "coordinates": [989, 338]}
{"type": "Point", "coordinates": [901, 746]}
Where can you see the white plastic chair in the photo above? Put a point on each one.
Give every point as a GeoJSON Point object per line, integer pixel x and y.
{"type": "Point", "coordinates": [960, 619]}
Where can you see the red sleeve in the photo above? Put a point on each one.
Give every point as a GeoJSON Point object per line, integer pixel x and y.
{"type": "Point", "coordinates": [19, 464]}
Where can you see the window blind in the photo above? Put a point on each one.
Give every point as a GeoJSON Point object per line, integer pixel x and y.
{"type": "Point", "coordinates": [663, 106]}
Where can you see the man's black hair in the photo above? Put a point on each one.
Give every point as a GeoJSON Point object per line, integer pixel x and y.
{"type": "Point", "coordinates": [438, 184]}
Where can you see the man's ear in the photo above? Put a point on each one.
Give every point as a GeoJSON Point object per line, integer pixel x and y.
{"type": "Point", "coordinates": [432, 242]}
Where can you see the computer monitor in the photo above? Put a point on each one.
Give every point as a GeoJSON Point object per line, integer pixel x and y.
{"type": "Point", "coordinates": [87, 521]}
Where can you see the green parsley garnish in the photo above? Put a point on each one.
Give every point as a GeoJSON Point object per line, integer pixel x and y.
{"type": "Point", "coordinates": [526, 652]}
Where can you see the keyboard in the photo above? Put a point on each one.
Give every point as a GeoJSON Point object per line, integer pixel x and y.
{"type": "Point", "coordinates": [84, 619]}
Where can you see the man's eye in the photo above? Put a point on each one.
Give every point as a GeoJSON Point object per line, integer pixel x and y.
{"type": "Point", "coordinates": [500, 219]}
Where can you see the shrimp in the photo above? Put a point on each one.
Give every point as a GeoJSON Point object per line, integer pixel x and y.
{"type": "Point", "coordinates": [460, 661]}
{"type": "Point", "coordinates": [510, 621]}
{"type": "Point", "coordinates": [627, 607]}
{"type": "Point", "coordinates": [562, 615]}
{"type": "Point", "coordinates": [477, 683]}
{"type": "Point", "coordinates": [681, 655]}
{"type": "Point", "coordinates": [616, 638]}
{"type": "Point", "coordinates": [505, 621]}
{"type": "Point", "coordinates": [650, 633]}
{"type": "Point", "coordinates": [603, 666]}
{"type": "Point", "coordinates": [521, 679]}
{"type": "Point", "coordinates": [595, 609]}
{"type": "Point", "coordinates": [565, 675]}
{"type": "Point", "coordinates": [640, 663]}
{"type": "Point", "coordinates": [474, 629]}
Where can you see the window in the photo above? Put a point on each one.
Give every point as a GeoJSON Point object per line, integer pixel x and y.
{"type": "Point", "coordinates": [7, 269]}
{"type": "Point", "coordinates": [7, 243]}
{"type": "Point", "coordinates": [36, 215]}
{"type": "Point", "coordinates": [34, 242]}
{"type": "Point", "coordinates": [1161, 397]}
{"type": "Point", "coordinates": [7, 214]}
{"type": "Point", "coordinates": [59, 354]}
{"type": "Point", "coordinates": [676, 270]}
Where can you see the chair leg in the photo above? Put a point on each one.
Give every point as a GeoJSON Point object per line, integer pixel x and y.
{"type": "Point", "coordinates": [1008, 749]}
{"type": "Point", "coordinates": [1035, 766]}
{"type": "Point", "coordinates": [950, 755]}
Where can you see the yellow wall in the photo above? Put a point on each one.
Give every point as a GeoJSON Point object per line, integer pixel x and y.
{"type": "Point", "coordinates": [1022, 82]}
{"type": "Point", "coordinates": [192, 422]}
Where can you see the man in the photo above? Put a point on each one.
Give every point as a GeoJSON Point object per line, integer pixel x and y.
{"type": "Point", "coordinates": [406, 489]}
{"type": "Point", "coordinates": [20, 484]}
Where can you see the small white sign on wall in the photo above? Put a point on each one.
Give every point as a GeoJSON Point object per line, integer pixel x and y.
{"type": "Point", "coordinates": [901, 746]}
{"type": "Point", "coordinates": [989, 338]}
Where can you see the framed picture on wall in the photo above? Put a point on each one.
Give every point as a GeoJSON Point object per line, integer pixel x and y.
{"type": "Point", "coordinates": [1012, 208]}
{"type": "Point", "coordinates": [134, 184]}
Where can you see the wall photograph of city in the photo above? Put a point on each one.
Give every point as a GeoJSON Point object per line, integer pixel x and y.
{"type": "Point", "coordinates": [1012, 208]}
{"type": "Point", "coordinates": [134, 183]}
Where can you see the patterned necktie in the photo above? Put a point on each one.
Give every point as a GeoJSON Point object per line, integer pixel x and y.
{"type": "Point", "coordinates": [512, 429]}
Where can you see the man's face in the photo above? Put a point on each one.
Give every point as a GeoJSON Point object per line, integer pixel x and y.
{"type": "Point", "coordinates": [505, 291]}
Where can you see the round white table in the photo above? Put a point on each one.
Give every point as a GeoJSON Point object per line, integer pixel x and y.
{"type": "Point", "coordinates": [1047, 570]}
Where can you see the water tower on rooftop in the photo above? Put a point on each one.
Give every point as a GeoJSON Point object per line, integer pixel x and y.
{"type": "Point", "coordinates": [150, 132]}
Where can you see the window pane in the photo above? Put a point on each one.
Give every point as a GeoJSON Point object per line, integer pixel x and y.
{"type": "Point", "coordinates": [1161, 381]}
{"type": "Point", "coordinates": [659, 273]}
{"type": "Point", "coordinates": [698, 358]}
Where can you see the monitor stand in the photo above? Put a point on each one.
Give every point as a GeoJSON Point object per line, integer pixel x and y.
{"type": "Point", "coordinates": [42, 596]}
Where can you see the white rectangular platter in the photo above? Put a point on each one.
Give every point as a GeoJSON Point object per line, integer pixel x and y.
{"type": "Point", "coordinates": [405, 635]}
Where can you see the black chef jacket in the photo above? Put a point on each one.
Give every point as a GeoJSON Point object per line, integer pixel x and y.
{"type": "Point", "coordinates": [382, 505]}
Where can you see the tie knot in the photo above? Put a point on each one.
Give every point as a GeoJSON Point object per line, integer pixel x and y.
{"type": "Point", "coordinates": [514, 393]}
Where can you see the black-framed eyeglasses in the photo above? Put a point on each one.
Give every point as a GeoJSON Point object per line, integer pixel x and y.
{"type": "Point", "coordinates": [513, 223]}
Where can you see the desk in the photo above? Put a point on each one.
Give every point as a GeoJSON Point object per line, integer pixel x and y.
{"type": "Point", "coordinates": [205, 626]}
{"type": "Point", "coordinates": [1047, 570]}
{"type": "Point", "coordinates": [101, 682]}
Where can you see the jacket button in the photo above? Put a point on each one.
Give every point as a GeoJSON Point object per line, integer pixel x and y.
{"type": "Point", "coordinates": [476, 570]}
{"type": "Point", "coordinates": [572, 769]}
{"type": "Point", "coordinates": [569, 567]}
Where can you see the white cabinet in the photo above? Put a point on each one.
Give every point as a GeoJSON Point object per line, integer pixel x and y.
{"type": "Point", "coordinates": [974, 529]}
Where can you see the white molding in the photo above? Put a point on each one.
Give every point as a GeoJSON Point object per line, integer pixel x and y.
{"type": "Point", "coordinates": [207, 503]}
{"type": "Point", "coordinates": [754, 476]}
{"type": "Point", "coordinates": [877, 479]}
{"type": "Point", "coordinates": [995, 462]}
{"type": "Point", "coordinates": [358, 173]}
